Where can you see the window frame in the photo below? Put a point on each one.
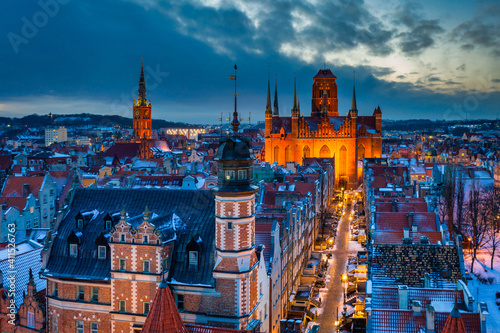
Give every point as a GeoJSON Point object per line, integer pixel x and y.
{"type": "Point", "coordinates": [192, 255]}
{"type": "Point", "coordinates": [30, 319]}
{"type": "Point", "coordinates": [230, 225]}
{"type": "Point", "coordinates": [144, 305]}
{"type": "Point", "coordinates": [92, 329]}
{"type": "Point", "coordinates": [55, 291]}
{"type": "Point", "coordinates": [144, 264]}
{"type": "Point", "coordinates": [80, 296]}
{"type": "Point", "coordinates": [55, 323]}
{"type": "Point", "coordinates": [73, 250]}
{"type": "Point", "coordinates": [120, 261]}
{"type": "Point", "coordinates": [99, 254]}
{"type": "Point", "coordinates": [80, 329]}
{"type": "Point", "coordinates": [120, 307]}
{"type": "Point", "coordinates": [95, 294]}
{"type": "Point", "coordinates": [180, 302]}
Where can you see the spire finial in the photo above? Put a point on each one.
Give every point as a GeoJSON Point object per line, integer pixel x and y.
{"type": "Point", "coordinates": [268, 102]}
{"type": "Point", "coordinates": [276, 111]}
{"type": "Point", "coordinates": [295, 107]}
{"type": "Point", "coordinates": [236, 122]}
{"type": "Point", "coordinates": [354, 106]}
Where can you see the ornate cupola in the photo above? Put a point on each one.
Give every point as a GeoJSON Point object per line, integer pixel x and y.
{"type": "Point", "coordinates": [236, 260]}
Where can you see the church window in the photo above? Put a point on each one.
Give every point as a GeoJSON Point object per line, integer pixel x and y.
{"type": "Point", "coordinates": [325, 152]}
{"type": "Point", "coordinates": [306, 152]}
{"type": "Point", "coordinates": [276, 153]}
{"type": "Point", "coordinates": [31, 319]}
{"type": "Point", "coordinates": [288, 154]}
{"type": "Point", "coordinates": [343, 161]}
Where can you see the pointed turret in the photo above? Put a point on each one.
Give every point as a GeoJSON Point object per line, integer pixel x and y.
{"type": "Point", "coordinates": [454, 323]}
{"type": "Point", "coordinates": [268, 102]}
{"type": "Point", "coordinates": [276, 111]}
{"type": "Point", "coordinates": [163, 317]}
{"type": "Point", "coordinates": [354, 106]}
{"type": "Point", "coordinates": [295, 108]}
{"type": "Point", "coordinates": [142, 100]}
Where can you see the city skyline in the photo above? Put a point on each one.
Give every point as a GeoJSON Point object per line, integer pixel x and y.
{"type": "Point", "coordinates": [414, 60]}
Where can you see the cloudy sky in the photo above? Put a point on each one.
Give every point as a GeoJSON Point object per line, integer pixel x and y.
{"type": "Point", "coordinates": [425, 59]}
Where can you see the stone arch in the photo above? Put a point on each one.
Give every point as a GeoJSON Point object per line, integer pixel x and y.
{"type": "Point", "coordinates": [343, 161]}
{"type": "Point", "coordinates": [325, 152]}
{"type": "Point", "coordinates": [276, 153]}
{"type": "Point", "coordinates": [361, 151]}
{"type": "Point", "coordinates": [306, 151]}
{"type": "Point", "coordinates": [288, 154]}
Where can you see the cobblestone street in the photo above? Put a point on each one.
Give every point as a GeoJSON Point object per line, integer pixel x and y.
{"type": "Point", "coordinates": [335, 286]}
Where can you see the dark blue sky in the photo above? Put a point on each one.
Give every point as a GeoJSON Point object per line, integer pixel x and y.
{"type": "Point", "coordinates": [415, 60]}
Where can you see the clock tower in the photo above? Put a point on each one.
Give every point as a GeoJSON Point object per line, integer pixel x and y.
{"type": "Point", "coordinates": [142, 111]}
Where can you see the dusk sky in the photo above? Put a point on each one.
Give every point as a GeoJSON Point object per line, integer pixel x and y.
{"type": "Point", "coordinates": [426, 59]}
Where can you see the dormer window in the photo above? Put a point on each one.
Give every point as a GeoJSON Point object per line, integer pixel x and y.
{"type": "Point", "coordinates": [79, 220]}
{"type": "Point", "coordinates": [107, 221]}
{"type": "Point", "coordinates": [193, 257]}
{"type": "Point", "coordinates": [101, 252]}
{"type": "Point", "coordinates": [73, 250]}
{"type": "Point", "coordinates": [122, 238]}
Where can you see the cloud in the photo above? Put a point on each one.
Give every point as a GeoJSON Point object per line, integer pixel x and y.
{"type": "Point", "coordinates": [461, 67]}
{"type": "Point", "coordinates": [420, 32]}
{"type": "Point", "coordinates": [434, 79]}
{"type": "Point", "coordinates": [495, 80]}
{"type": "Point", "coordinates": [478, 33]}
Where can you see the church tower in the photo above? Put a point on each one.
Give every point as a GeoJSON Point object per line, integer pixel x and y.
{"type": "Point", "coordinates": [324, 80]}
{"type": "Point", "coordinates": [236, 259]}
{"type": "Point", "coordinates": [269, 111]}
{"type": "Point", "coordinates": [142, 111]}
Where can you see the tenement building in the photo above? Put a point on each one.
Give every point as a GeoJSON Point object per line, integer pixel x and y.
{"type": "Point", "coordinates": [324, 133]}
{"type": "Point", "coordinates": [113, 247]}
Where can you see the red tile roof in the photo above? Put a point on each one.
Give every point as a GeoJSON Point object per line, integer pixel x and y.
{"type": "Point", "coordinates": [14, 186]}
{"type": "Point", "coordinates": [163, 317]}
{"type": "Point", "coordinates": [263, 236]}
{"type": "Point", "coordinates": [388, 221]}
{"type": "Point", "coordinates": [17, 202]}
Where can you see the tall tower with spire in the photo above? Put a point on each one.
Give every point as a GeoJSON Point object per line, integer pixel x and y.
{"type": "Point", "coordinates": [236, 259]}
{"type": "Point", "coordinates": [142, 111]}
{"type": "Point", "coordinates": [269, 111]}
{"type": "Point", "coordinates": [295, 110]}
{"type": "Point", "coordinates": [276, 111]}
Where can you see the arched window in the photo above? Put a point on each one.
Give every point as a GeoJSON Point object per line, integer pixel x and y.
{"type": "Point", "coordinates": [324, 152]}
{"type": "Point", "coordinates": [276, 153]}
{"type": "Point", "coordinates": [361, 152]}
{"type": "Point", "coordinates": [306, 152]}
{"type": "Point", "coordinates": [343, 161]}
{"type": "Point", "coordinates": [288, 154]}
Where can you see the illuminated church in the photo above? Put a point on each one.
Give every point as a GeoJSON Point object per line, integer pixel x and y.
{"type": "Point", "coordinates": [324, 133]}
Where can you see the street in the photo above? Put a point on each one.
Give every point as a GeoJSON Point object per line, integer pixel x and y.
{"type": "Point", "coordinates": [335, 287]}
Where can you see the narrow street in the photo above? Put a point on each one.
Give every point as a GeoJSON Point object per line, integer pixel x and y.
{"type": "Point", "coordinates": [336, 269]}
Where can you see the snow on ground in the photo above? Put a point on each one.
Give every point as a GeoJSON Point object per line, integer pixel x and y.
{"type": "Point", "coordinates": [486, 292]}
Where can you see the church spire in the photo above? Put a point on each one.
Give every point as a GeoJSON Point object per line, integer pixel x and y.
{"type": "Point", "coordinates": [236, 122]}
{"type": "Point", "coordinates": [276, 111]}
{"type": "Point", "coordinates": [268, 103]}
{"type": "Point", "coordinates": [354, 106]}
{"type": "Point", "coordinates": [295, 108]}
{"type": "Point", "coordinates": [142, 100]}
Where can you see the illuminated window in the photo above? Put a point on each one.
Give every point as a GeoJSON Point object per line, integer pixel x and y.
{"type": "Point", "coordinates": [229, 174]}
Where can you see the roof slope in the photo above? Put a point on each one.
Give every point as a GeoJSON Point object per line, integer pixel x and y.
{"type": "Point", "coordinates": [180, 214]}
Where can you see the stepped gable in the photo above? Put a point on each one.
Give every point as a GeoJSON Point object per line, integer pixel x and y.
{"type": "Point", "coordinates": [407, 264]}
{"type": "Point", "coordinates": [179, 215]}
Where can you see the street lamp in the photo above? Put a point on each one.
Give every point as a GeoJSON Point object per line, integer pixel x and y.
{"type": "Point", "coordinates": [344, 280]}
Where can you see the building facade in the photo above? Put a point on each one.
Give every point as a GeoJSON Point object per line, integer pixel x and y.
{"type": "Point", "coordinates": [55, 134]}
{"type": "Point", "coordinates": [324, 133]}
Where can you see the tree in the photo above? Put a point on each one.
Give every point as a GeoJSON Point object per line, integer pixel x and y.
{"type": "Point", "coordinates": [477, 219]}
{"type": "Point", "coordinates": [491, 212]}
{"type": "Point", "coordinates": [448, 197]}
{"type": "Point", "coordinates": [460, 200]}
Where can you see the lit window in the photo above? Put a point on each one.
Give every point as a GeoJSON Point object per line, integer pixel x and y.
{"type": "Point", "coordinates": [122, 305]}
{"type": "Point", "coordinates": [145, 308]}
{"type": "Point", "coordinates": [79, 326]}
{"type": "Point", "coordinates": [193, 257]}
{"type": "Point", "coordinates": [122, 264]}
{"type": "Point", "coordinates": [31, 319]}
{"type": "Point", "coordinates": [145, 266]}
{"type": "Point", "coordinates": [94, 328]}
{"type": "Point", "coordinates": [101, 249]}
{"type": "Point", "coordinates": [229, 174]}
{"type": "Point", "coordinates": [73, 250]}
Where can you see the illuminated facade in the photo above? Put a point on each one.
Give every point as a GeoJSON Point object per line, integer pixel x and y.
{"type": "Point", "coordinates": [324, 133]}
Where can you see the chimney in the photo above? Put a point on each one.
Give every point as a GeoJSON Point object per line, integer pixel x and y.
{"type": "Point", "coordinates": [427, 280]}
{"type": "Point", "coordinates": [406, 232]}
{"type": "Point", "coordinates": [424, 240]}
{"type": "Point", "coordinates": [287, 183]}
{"type": "Point", "coordinates": [430, 315]}
{"type": "Point", "coordinates": [482, 308]}
{"type": "Point", "coordinates": [414, 228]}
{"type": "Point", "coordinates": [26, 190]}
{"type": "Point", "coordinates": [417, 308]}
{"type": "Point", "coordinates": [403, 297]}
{"type": "Point", "coordinates": [410, 218]}
{"type": "Point", "coordinates": [394, 205]}
{"type": "Point", "coordinates": [368, 310]}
